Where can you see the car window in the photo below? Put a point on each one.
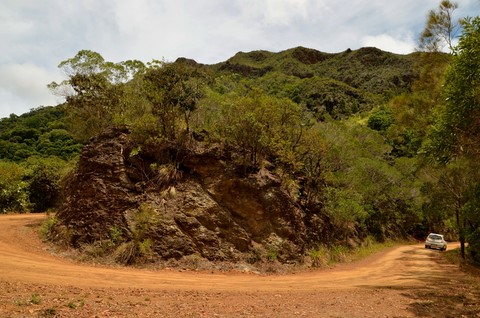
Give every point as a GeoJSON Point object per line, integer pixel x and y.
{"type": "Point", "coordinates": [435, 237]}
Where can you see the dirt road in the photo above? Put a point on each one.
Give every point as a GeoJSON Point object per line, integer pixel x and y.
{"type": "Point", "coordinates": [35, 283]}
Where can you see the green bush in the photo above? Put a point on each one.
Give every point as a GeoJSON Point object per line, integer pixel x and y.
{"type": "Point", "coordinates": [116, 234]}
{"type": "Point", "coordinates": [13, 194]}
{"type": "Point", "coordinates": [474, 245]}
{"type": "Point", "coordinates": [43, 188]}
{"type": "Point", "coordinates": [319, 256]}
{"type": "Point", "coordinates": [381, 120]}
{"type": "Point", "coordinates": [47, 227]}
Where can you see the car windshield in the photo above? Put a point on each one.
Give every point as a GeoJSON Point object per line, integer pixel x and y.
{"type": "Point", "coordinates": [435, 237]}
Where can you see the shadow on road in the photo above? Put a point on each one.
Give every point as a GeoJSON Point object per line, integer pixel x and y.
{"type": "Point", "coordinates": [454, 295]}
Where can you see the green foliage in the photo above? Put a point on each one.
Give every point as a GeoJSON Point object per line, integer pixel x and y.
{"type": "Point", "coordinates": [36, 300]}
{"type": "Point", "coordinates": [95, 91]}
{"type": "Point", "coordinates": [362, 192]}
{"type": "Point", "coordinates": [453, 140]}
{"type": "Point", "coordinates": [259, 127]}
{"type": "Point", "coordinates": [323, 256]}
{"type": "Point", "coordinates": [47, 227]}
{"type": "Point", "coordinates": [140, 246]}
{"type": "Point", "coordinates": [474, 245]}
{"type": "Point", "coordinates": [174, 89]}
{"type": "Point", "coordinates": [300, 113]}
{"type": "Point", "coordinates": [409, 116]}
{"type": "Point", "coordinates": [381, 119]}
{"type": "Point", "coordinates": [13, 194]}
{"type": "Point", "coordinates": [471, 213]}
{"type": "Point", "coordinates": [145, 248]}
{"type": "Point", "coordinates": [143, 221]}
{"type": "Point", "coordinates": [272, 254]}
{"type": "Point", "coordinates": [368, 69]}
{"type": "Point", "coordinates": [32, 185]}
{"type": "Point", "coordinates": [319, 256]}
{"type": "Point", "coordinates": [326, 97]}
{"type": "Point", "coordinates": [40, 132]}
{"type": "Point", "coordinates": [43, 188]}
{"type": "Point", "coordinates": [116, 234]}
{"type": "Point", "coordinates": [457, 132]}
{"type": "Point", "coordinates": [452, 197]}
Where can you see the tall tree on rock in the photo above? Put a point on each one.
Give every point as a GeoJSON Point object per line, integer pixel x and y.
{"type": "Point", "coordinates": [174, 89]}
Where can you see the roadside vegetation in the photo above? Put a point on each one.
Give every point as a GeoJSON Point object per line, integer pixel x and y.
{"type": "Point", "coordinates": [382, 146]}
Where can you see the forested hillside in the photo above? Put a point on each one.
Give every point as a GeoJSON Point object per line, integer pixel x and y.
{"type": "Point", "coordinates": [360, 145]}
{"type": "Point", "coordinates": [35, 151]}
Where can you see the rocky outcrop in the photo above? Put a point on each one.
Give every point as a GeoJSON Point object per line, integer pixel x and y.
{"type": "Point", "coordinates": [99, 190]}
{"type": "Point", "coordinates": [202, 206]}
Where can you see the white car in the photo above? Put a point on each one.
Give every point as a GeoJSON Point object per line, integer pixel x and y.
{"type": "Point", "coordinates": [435, 240]}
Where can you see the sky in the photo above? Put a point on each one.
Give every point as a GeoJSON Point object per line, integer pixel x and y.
{"type": "Point", "coordinates": [35, 36]}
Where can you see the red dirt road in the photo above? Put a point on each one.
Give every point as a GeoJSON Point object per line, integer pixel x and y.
{"type": "Point", "coordinates": [35, 283]}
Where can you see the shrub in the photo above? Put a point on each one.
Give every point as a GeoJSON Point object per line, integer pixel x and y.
{"type": "Point", "coordinates": [474, 245]}
{"type": "Point", "coordinates": [319, 256]}
{"type": "Point", "coordinates": [36, 299]}
{"type": "Point", "coordinates": [339, 253]}
{"type": "Point", "coordinates": [272, 255]}
{"type": "Point", "coordinates": [13, 195]}
{"type": "Point", "coordinates": [126, 253]}
{"type": "Point", "coordinates": [381, 120]}
{"type": "Point", "coordinates": [47, 227]}
{"type": "Point", "coordinates": [43, 188]}
{"type": "Point", "coordinates": [116, 234]}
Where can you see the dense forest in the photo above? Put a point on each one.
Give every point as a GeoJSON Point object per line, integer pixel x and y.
{"type": "Point", "coordinates": [380, 145]}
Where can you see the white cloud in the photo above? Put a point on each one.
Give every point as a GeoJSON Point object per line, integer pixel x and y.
{"type": "Point", "coordinates": [37, 35]}
{"type": "Point", "coordinates": [24, 86]}
{"type": "Point", "coordinates": [276, 12]}
{"type": "Point", "coordinates": [389, 43]}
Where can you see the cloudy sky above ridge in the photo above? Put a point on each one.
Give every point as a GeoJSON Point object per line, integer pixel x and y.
{"type": "Point", "coordinates": [35, 36]}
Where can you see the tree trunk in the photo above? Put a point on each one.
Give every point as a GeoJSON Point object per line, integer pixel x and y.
{"type": "Point", "coordinates": [462, 246]}
{"type": "Point", "coordinates": [461, 232]}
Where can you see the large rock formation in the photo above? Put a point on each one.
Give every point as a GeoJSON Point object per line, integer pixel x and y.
{"type": "Point", "coordinates": [203, 206]}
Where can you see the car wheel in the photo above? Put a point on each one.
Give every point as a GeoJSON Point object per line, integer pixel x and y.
{"type": "Point", "coordinates": [426, 246]}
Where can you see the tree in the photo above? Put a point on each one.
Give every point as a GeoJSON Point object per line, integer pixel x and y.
{"type": "Point", "coordinates": [13, 197]}
{"type": "Point", "coordinates": [449, 194]}
{"type": "Point", "coordinates": [455, 138]}
{"type": "Point", "coordinates": [457, 132]}
{"type": "Point", "coordinates": [471, 211]}
{"type": "Point", "coordinates": [94, 90]}
{"type": "Point", "coordinates": [173, 89]}
{"type": "Point", "coordinates": [43, 188]}
{"type": "Point", "coordinates": [440, 29]}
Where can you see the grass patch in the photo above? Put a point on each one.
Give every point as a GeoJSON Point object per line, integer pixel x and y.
{"type": "Point", "coordinates": [36, 300]}
{"type": "Point", "coordinates": [47, 227]}
{"type": "Point", "coordinates": [370, 247]}
{"type": "Point", "coordinates": [327, 256]}
{"type": "Point", "coordinates": [48, 312]}
{"type": "Point", "coordinates": [453, 256]}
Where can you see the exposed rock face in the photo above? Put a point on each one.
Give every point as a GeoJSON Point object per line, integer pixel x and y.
{"type": "Point", "coordinates": [209, 210]}
{"type": "Point", "coordinates": [99, 190]}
